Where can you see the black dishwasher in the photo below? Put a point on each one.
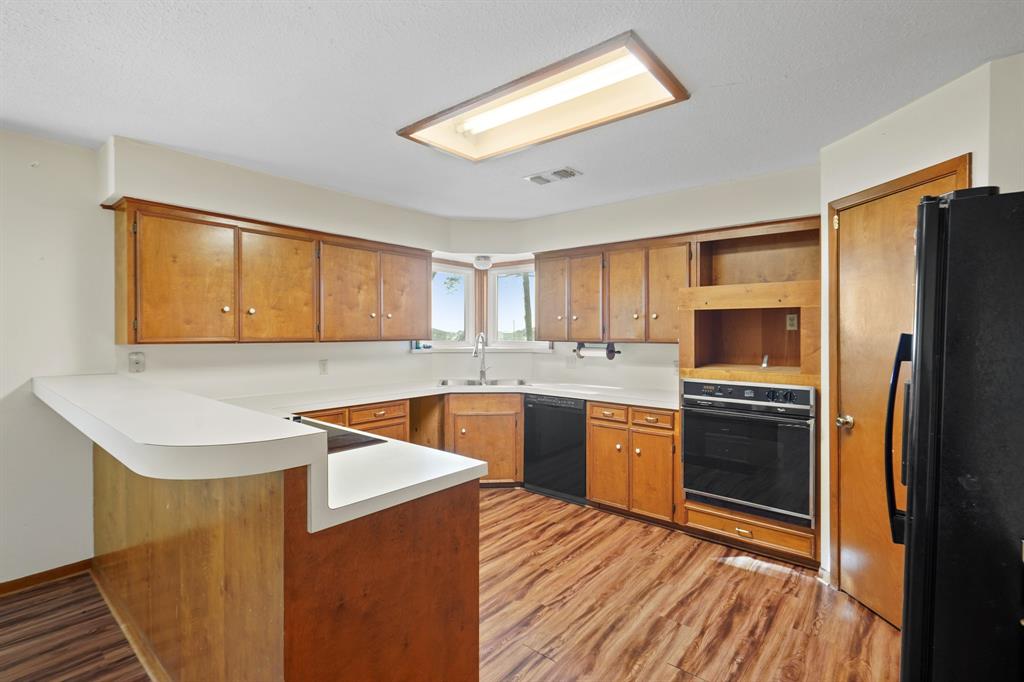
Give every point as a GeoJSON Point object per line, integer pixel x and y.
{"type": "Point", "coordinates": [555, 452]}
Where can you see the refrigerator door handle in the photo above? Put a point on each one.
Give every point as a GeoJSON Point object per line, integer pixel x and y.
{"type": "Point", "coordinates": [897, 517]}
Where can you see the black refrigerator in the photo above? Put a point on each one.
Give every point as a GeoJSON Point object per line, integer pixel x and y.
{"type": "Point", "coordinates": [963, 451]}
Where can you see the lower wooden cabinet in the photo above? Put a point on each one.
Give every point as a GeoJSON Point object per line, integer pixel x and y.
{"type": "Point", "coordinates": [335, 415]}
{"type": "Point", "coordinates": [631, 467]}
{"type": "Point", "coordinates": [773, 536]}
{"type": "Point", "coordinates": [390, 419]}
{"type": "Point", "coordinates": [397, 429]}
{"type": "Point", "coordinates": [487, 427]}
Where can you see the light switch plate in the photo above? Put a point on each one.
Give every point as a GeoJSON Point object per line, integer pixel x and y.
{"type": "Point", "coordinates": [136, 362]}
{"type": "Point", "coordinates": [792, 322]}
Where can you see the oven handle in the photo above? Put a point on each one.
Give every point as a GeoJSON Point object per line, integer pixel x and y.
{"type": "Point", "coordinates": [797, 421]}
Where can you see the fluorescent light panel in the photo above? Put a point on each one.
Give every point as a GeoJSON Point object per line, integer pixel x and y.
{"type": "Point", "coordinates": [605, 83]}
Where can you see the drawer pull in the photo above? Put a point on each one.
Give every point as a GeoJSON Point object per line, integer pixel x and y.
{"type": "Point", "coordinates": [607, 413]}
{"type": "Point", "coordinates": [744, 532]}
{"type": "Point", "coordinates": [380, 413]}
{"type": "Point", "coordinates": [651, 419]}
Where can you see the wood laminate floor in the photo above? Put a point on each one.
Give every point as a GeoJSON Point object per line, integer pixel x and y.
{"type": "Point", "coordinates": [63, 630]}
{"type": "Point", "coordinates": [573, 593]}
{"type": "Point", "coordinates": [566, 593]}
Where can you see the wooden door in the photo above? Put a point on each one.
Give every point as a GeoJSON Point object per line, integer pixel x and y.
{"type": "Point", "coordinates": [875, 286]}
{"type": "Point", "coordinates": [608, 464]}
{"type": "Point", "coordinates": [651, 480]}
{"type": "Point", "coordinates": [277, 281]}
{"type": "Point", "coordinates": [585, 298]}
{"type": "Point", "coordinates": [627, 294]}
{"type": "Point", "coordinates": [668, 273]}
{"type": "Point", "coordinates": [405, 297]}
{"type": "Point", "coordinates": [490, 437]}
{"type": "Point", "coordinates": [552, 299]}
{"type": "Point", "coordinates": [187, 287]}
{"type": "Point", "coordinates": [349, 293]}
{"type": "Point", "coordinates": [399, 430]}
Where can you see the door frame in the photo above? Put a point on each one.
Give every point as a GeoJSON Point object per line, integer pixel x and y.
{"type": "Point", "coordinates": [960, 168]}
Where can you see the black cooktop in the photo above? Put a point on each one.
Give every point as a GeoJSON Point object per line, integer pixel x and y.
{"type": "Point", "coordinates": [339, 439]}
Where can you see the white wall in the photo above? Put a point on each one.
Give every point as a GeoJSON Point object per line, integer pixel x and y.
{"type": "Point", "coordinates": [981, 113]}
{"type": "Point", "coordinates": [56, 317]}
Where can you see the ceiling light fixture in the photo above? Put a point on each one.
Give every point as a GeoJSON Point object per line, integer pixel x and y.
{"type": "Point", "coordinates": [605, 83]}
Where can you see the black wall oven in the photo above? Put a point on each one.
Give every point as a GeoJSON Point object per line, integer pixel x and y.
{"type": "Point", "coordinates": [750, 447]}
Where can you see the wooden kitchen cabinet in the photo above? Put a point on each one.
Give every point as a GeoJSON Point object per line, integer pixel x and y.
{"type": "Point", "coordinates": [651, 473]}
{"type": "Point", "coordinates": [405, 296]}
{"type": "Point", "coordinates": [627, 294]}
{"type": "Point", "coordinates": [349, 293]}
{"type": "Point", "coordinates": [668, 274]}
{"type": "Point", "coordinates": [337, 416]}
{"type": "Point", "coordinates": [187, 283]}
{"type": "Point", "coordinates": [397, 429]}
{"type": "Point", "coordinates": [586, 287]}
{"type": "Point", "coordinates": [633, 467]}
{"type": "Point", "coordinates": [488, 427]}
{"type": "Point", "coordinates": [608, 464]}
{"type": "Point", "coordinates": [390, 419]}
{"type": "Point", "coordinates": [277, 287]}
{"type": "Point", "coordinates": [552, 277]}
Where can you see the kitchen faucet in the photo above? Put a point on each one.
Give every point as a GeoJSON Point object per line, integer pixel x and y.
{"type": "Point", "coordinates": [480, 348]}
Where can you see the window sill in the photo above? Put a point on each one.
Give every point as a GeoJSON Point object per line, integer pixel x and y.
{"type": "Point", "coordinates": [490, 349]}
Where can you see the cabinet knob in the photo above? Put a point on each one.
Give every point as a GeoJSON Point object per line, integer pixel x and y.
{"type": "Point", "coordinates": [654, 316]}
{"type": "Point", "coordinates": [373, 315]}
{"type": "Point", "coordinates": [636, 316]}
{"type": "Point", "coordinates": [575, 317]}
{"type": "Point", "coordinates": [560, 317]}
{"type": "Point", "coordinates": [637, 451]}
{"type": "Point", "coordinates": [618, 446]}
{"type": "Point", "coordinates": [226, 309]}
{"type": "Point", "coordinates": [462, 431]}
{"type": "Point", "coordinates": [251, 311]}
{"type": "Point", "coordinates": [388, 316]}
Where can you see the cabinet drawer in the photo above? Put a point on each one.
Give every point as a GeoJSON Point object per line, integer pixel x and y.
{"type": "Point", "coordinates": [612, 413]}
{"type": "Point", "coordinates": [377, 412]}
{"type": "Point", "coordinates": [755, 533]}
{"type": "Point", "coordinates": [334, 416]}
{"type": "Point", "coordinates": [662, 419]}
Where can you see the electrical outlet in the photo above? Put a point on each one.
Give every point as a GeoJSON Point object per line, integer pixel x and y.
{"type": "Point", "coordinates": [792, 322]}
{"type": "Point", "coordinates": [136, 362]}
{"type": "Point", "coordinates": [323, 366]}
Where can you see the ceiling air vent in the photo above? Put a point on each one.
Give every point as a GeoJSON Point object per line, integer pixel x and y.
{"type": "Point", "coordinates": [547, 177]}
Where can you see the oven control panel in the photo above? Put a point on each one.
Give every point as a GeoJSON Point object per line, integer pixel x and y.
{"type": "Point", "coordinates": [757, 397]}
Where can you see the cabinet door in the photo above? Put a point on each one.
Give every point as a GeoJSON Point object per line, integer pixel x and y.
{"type": "Point", "coordinates": [585, 304]}
{"type": "Point", "coordinates": [608, 464]}
{"type": "Point", "coordinates": [668, 273]}
{"type": "Point", "coordinates": [490, 437]}
{"type": "Point", "coordinates": [187, 287]}
{"type": "Point", "coordinates": [552, 299]}
{"type": "Point", "coordinates": [278, 287]}
{"type": "Point", "coordinates": [399, 430]}
{"type": "Point", "coordinates": [627, 294]}
{"type": "Point", "coordinates": [406, 297]}
{"type": "Point", "coordinates": [651, 479]}
{"type": "Point", "coordinates": [349, 293]}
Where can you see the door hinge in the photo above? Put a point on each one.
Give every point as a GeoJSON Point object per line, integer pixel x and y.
{"type": "Point", "coordinates": [135, 225]}
{"type": "Point", "coordinates": [835, 222]}
{"type": "Point", "coordinates": [135, 323]}
{"type": "Point", "coordinates": [673, 508]}
{"type": "Point", "coordinates": [317, 327]}
{"type": "Point", "coordinates": [318, 250]}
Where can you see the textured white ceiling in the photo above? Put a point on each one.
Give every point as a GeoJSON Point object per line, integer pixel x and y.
{"type": "Point", "coordinates": [315, 91]}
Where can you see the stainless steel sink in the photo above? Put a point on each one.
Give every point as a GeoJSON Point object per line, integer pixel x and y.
{"type": "Point", "coordinates": [477, 382]}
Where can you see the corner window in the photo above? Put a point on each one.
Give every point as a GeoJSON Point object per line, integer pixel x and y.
{"type": "Point", "coordinates": [511, 307]}
{"type": "Point", "coordinates": [451, 305]}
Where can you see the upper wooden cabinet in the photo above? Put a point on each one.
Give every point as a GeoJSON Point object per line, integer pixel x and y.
{"type": "Point", "coordinates": [186, 277]}
{"type": "Point", "coordinates": [627, 294]}
{"type": "Point", "coordinates": [278, 287]}
{"type": "Point", "coordinates": [405, 296]}
{"type": "Point", "coordinates": [349, 293]}
{"type": "Point", "coordinates": [552, 277]}
{"type": "Point", "coordinates": [586, 286]}
{"type": "Point", "coordinates": [668, 274]}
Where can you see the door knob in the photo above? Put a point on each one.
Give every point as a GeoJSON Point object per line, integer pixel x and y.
{"type": "Point", "coordinates": [844, 421]}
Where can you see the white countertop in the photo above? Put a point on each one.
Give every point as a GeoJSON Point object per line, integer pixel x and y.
{"type": "Point", "coordinates": [283, 404]}
{"type": "Point", "coordinates": [164, 433]}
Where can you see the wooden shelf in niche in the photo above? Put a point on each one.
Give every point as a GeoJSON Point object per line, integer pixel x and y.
{"type": "Point", "coordinates": [788, 256]}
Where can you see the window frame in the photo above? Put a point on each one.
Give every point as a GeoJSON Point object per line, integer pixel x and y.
{"type": "Point", "coordinates": [492, 308]}
{"type": "Point", "coordinates": [470, 303]}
